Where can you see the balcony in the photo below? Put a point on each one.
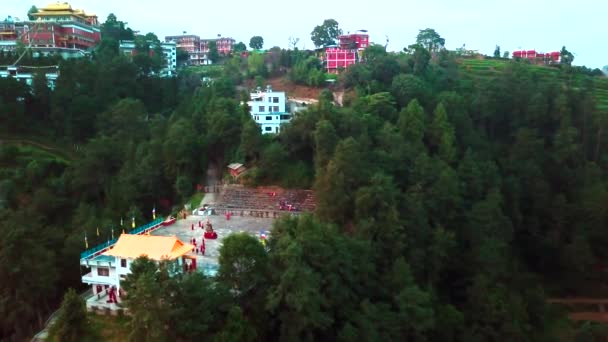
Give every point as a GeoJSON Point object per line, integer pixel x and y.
{"type": "Point", "coordinates": [91, 278]}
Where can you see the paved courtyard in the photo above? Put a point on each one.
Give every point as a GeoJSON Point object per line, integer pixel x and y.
{"type": "Point", "coordinates": [182, 229]}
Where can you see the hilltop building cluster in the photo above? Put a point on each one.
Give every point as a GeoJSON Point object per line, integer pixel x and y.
{"type": "Point", "coordinates": [198, 49]}
{"type": "Point", "coordinates": [60, 29]}
{"type": "Point", "coordinates": [538, 57]}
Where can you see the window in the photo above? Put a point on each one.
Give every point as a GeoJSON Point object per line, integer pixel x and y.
{"type": "Point", "coordinates": [275, 100]}
{"type": "Point", "coordinates": [268, 129]}
{"type": "Point", "coordinates": [284, 117]}
{"type": "Point", "coordinates": [123, 263]}
{"type": "Point", "coordinates": [262, 109]}
{"type": "Point", "coordinates": [275, 109]}
{"type": "Point", "coordinates": [103, 271]}
{"type": "Point", "coordinates": [268, 118]}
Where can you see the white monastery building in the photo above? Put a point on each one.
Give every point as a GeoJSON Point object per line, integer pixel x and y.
{"type": "Point", "coordinates": [111, 267]}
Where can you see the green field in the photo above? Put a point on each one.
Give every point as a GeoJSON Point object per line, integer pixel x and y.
{"type": "Point", "coordinates": [205, 70]}
{"type": "Point", "coordinates": [36, 148]}
{"type": "Point", "coordinates": [480, 69]}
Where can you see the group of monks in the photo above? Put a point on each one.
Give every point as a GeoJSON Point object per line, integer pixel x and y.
{"type": "Point", "coordinates": [198, 249]}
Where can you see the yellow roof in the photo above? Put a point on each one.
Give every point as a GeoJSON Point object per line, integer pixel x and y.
{"type": "Point", "coordinates": [62, 9]}
{"type": "Point", "coordinates": [57, 13]}
{"type": "Point", "coordinates": [154, 247]}
{"type": "Point", "coordinates": [58, 6]}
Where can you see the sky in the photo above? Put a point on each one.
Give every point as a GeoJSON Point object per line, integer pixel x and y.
{"type": "Point", "coordinates": [480, 24]}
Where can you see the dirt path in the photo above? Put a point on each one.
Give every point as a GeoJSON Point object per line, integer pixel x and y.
{"type": "Point", "coordinates": [212, 178]}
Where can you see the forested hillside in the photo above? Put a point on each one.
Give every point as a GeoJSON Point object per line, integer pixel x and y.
{"type": "Point", "coordinates": [453, 199]}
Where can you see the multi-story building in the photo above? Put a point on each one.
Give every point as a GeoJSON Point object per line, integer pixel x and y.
{"type": "Point", "coordinates": [9, 30]}
{"type": "Point", "coordinates": [224, 45]}
{"type": "Point", "coordinates": [111, 267]}
{"type": "Point", "coordinates": [348, 52]}
{"type": "Point", "coordinates": [56, 28]}
{"type": "Point", "coordinates": [268, 109]}
{"type": "Point", "coordinates": [8, 34]}
{"type": "Point", "coordinates": [169, 49]}
{"type": "Point", "coordinates": [192, 45]}
{"type": "Point", "coordinates": [198, 49]}
{"type": "Point", "coordinates": [187, 42]}
{"type": "Point", "coordinates": [26, 75]}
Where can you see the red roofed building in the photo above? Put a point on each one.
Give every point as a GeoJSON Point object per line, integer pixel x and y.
{"type": "Point", "coordinates": [236, 169]}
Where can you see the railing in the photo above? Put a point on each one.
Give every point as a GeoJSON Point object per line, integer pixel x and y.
{"type": "Point", "coordinates": [107, 244]}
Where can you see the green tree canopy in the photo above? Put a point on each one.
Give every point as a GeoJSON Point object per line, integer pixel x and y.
{"type": "Point", "coordinates": [325, 34]}
{"type": "Point", "coordinates": [240, 47]}
{"type": "Point", "coordinates": [256, 42]}
{"type": "Point", "coordinates": [72, 323]}
{"type": "Point", "coordinates": [430, 40]}
{"type": "Point", "coordinates": [31, 11]}
{"type": "Point", "coordinates": [566, 57]}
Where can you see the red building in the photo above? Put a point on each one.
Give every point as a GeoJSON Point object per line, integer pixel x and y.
{"type": "Point", "coordinates": [8, 30]}
{"type": "Point", "coordinates": [57, 28]}
{"type": "Point", "coordinates": [198, 49]}
{"type": "Point", "coordinates": [538, 57]}
{"type": "Point", "coordinates": [224, 45]}
{"type": "Point", "coordinates": [189, 43]}
{"type": "Point", "coordinates": [348, 52]}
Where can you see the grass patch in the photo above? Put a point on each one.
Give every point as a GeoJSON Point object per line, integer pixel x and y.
{"type": "Point", "coordinates": [195, 200]}
{"type": "Point", "coordinates": [205, 70]}
{"type": "Point", "coordinates": [110, 328]}
{"type": "Point", "coordinates": [59, 151]}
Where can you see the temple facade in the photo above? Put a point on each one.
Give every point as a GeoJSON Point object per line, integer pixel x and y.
{"type": "Point", "coordinates": [55, 29]}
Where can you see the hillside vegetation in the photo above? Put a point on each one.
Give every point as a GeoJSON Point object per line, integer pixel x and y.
{"type": "Point", "coordinates": [454, 196]}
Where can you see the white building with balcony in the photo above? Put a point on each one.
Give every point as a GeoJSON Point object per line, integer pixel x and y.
{"type": "Point", "coordinates": [26, 74]}
{"type": "Point", "coordinates": [268, 109]}
{"type": "Point", "coordinates": [169, 50]}
{"type": "Point", "coordinates": [111, 267]}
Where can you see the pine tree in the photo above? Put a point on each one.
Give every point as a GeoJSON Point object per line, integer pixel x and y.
{"type": "Point", "coordinates": [72, 324]}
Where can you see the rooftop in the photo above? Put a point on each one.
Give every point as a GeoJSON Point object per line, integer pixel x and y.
{"type": "Point", "coordinates": [154, 247]}
{"type": "Point", "coordinates": [61, 8]}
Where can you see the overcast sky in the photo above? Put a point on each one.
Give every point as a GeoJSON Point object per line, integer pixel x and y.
{"type": "Point", "coordinates": [480, 24]}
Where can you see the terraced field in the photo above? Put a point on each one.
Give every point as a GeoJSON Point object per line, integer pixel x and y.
{"type": "Point", "coordinates": [480, 69]}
